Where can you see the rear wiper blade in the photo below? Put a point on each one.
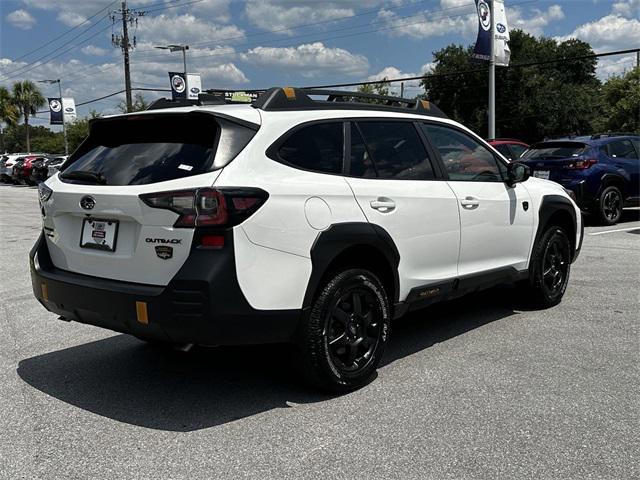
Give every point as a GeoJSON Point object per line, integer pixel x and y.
{"type": "Point", "coordinates": [85, 176]}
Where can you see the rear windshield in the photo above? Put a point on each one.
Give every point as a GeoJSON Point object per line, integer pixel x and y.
{"type": "Point", "coordinates": [551, 150]}
{"type": "Point", "coordinates": [143, 149]}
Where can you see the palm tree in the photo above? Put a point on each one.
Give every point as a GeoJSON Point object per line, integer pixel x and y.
{"type": "Point", "coordinates": [8, 112]}
{"type": "Point", "coordinates": [28, 98]}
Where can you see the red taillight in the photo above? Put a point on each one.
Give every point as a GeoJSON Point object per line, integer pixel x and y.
{"type": "Point", "coordinates": [208, 207]}
{"type": "Point", "coordinates": [581, 164]}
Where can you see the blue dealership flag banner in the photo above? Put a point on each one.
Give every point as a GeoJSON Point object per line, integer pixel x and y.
{"type": "Point", "coordinates": [178, 85]}
{"type": "Point", "coordinates": [482, 50]}
{"type": "Point", "coordinates": [55, 110]}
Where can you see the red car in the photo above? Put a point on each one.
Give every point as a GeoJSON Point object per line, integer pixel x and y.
{"type": "Point", "coordinates": [22, 174]}
{"type": "Point", "coordinates": [511, 148]}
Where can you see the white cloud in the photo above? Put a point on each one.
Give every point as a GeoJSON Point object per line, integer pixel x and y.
{"type": "Point", "coordinates": [308, 59]}
{"type": "Point", "coordinates": [611, 32]}
{"type": "Point", "coordinates": [608, 66]}
{"type": "Point", "coordinates": [186, 28]}
{"type": "Point", "coordinates": [454, 17]}
{"type": "Point", "coordinates": [627, 8]}
{"type": "Point", "coordinates": [71, 19]}
{"type": "Point", "coordinates": [21, 19]}
{"type": "Point", "coordinates": [537, 20]}
{"type": "Point", "coordinates": [93, 50]}
{"type": "Point", "coordinates": [284, 15]}
{"type": "Point", "coordinates": [411, 87]}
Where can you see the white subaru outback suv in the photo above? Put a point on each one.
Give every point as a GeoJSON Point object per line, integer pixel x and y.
{"type": "Point", "coordinates": [293, 219]}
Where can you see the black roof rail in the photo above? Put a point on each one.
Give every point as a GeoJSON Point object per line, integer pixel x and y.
{"type": "Point", "coordinates": [203, 99]}
{"type": "Point", "coordinates": [290, 98]}
{"type": "Point", "coordinates": [598, 136]}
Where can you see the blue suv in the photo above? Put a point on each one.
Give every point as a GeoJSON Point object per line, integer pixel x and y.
{"type": "Point", "coordinates": [603, 171]}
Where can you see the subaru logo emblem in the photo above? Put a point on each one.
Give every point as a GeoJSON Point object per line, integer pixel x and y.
{"type": "Point", "coordinates": [87, 202]}
{"type": "Point", "coordinates": [501, 28]}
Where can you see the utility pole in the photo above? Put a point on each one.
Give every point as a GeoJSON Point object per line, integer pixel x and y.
{"type": "Point", "coordinates": [492, 75]}
{"type": "Point", "coordinates": [129, 18]}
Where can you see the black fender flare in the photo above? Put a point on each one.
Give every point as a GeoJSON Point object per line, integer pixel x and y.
{"type": "Point", "coordinates": [339, 237]}
{"type": "Point", "coordinates": [613, 179]}
{"type": "Point", "coordinates": [550, 205]}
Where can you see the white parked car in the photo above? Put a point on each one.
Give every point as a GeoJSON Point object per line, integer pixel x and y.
{"type": "Point", "coordinates": [7, 161]}
{"type": "Point", "coordinates": [316, 222]}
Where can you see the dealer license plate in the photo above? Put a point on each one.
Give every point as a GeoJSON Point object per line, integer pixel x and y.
{"type": "Point", "coordinates": [99, 234]}
{"type": "Point", "coordinates": [544, 174]}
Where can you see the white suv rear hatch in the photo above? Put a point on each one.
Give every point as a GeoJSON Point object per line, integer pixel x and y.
{"type": "Point", "coordinates": [96, 224]}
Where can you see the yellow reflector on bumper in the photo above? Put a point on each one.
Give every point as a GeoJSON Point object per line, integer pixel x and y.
{"type": "Point", "coordinates": [45, 292]}
{"type": "Point", "coordinates": [141, 312]}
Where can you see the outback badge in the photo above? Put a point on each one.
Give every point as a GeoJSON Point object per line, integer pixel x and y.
{"type": "Point", "coordinates": [164, 252]}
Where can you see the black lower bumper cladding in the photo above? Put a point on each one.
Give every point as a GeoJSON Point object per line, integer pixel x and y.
{"type": "Point", "coordinates": [203, 304]}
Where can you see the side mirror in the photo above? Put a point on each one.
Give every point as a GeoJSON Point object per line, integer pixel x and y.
{"type": "Point", "coordinates": [517, 172]}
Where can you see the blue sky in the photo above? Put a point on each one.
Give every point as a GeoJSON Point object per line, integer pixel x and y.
{"type": "Point", "coordinates": [258, 44]}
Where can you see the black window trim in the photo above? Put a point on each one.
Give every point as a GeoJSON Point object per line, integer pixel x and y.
{"type": "Point", "coordinates": [438, 172]}
{"type": "Point", "coordinates": [630, 140]}
{"type": "Point", "coordinates": [470, 134]}
{"type": "Point", "coordinates": [273, 150]}
{"type": "Point", "coordinates": [355, 120]}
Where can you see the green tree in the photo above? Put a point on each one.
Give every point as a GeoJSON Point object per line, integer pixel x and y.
{"type": "Point", "coordinates": [621, 102]}
{"type": "Point", "coordinates": [79, 130]}
{"type": "Point", "coordinates": [532, 102]}
{"type": "Point", "coordinates": [139, 104]}
{"type": "Point", "coordinates": [378, 88]}
{"type": "Point", "coordinates": [8, 113]}
{"type": "Point", "coordinates": [28, 98]}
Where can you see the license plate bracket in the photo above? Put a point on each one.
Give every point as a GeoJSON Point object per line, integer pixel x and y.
{"type": "Point", "coordinates": [99, 234]}
{"type": "Point", "coordinates": [544, 174]}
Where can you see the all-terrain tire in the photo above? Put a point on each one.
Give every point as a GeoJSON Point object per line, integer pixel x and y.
{"type": "Point", "coordinates": [343, 337]}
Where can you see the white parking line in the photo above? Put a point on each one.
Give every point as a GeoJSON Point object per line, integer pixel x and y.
{"type": "Point", "coordinates": [614, 231]}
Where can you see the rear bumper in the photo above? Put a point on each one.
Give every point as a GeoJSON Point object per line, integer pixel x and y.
{"type": "Point", "coordinates": [203, 304]}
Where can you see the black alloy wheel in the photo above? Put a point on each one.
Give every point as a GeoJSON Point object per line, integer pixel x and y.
{"type": "Point", "coordinates": [550, 268]}
{"type": "Point", "coordinates": [611, 206]}
{"type": "Point", "coordinates": [555, 265]}
{"type": "Point", "coordinates": [353, 329]}
{"type": "Point", "coordinates": [342, 339]}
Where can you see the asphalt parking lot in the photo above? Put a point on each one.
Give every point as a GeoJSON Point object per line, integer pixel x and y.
{"type": "Point", "coordinates": [473, 389]}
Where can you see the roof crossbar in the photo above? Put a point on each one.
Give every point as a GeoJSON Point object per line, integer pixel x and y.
{"type": "Point", "coordinates": [289, 98]}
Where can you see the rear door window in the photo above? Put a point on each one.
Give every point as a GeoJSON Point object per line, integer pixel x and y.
{"type": "Point", "coordinates": [622, 149]}
{"type": "Point", "coordinates": [389, 150]}
{"type": "Point", "coordinates": [143, 149]}
{"type": "Point", "coordinates": [318, 147]}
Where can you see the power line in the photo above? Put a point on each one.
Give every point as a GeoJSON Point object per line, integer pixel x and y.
{"type": "Point", "coordinates": [21, 70]}
{"type": "Point", "coordinates": [349, 28]}
{"type": "Point", "coordinates": [404, 79]}
{"type": "Point", "coordinates": [321, 22]}
{"type": "Point", "coordinates": [64, 33]}
{"type": "Point", "coordinates": [35, 64]}
{"type": "Point", "coordinates": [476, 70]}
{"type": "Point", "coordinates": [352, 34]}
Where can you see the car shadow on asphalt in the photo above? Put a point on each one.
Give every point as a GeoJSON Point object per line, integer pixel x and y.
{"type": "Point", "coordinates": [129, 381]}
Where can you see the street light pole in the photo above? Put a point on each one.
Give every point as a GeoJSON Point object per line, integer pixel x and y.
{"type": "Point", "coordinates": [178, 48]}
{"type": "Point", "coordinates": [492, 76]}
